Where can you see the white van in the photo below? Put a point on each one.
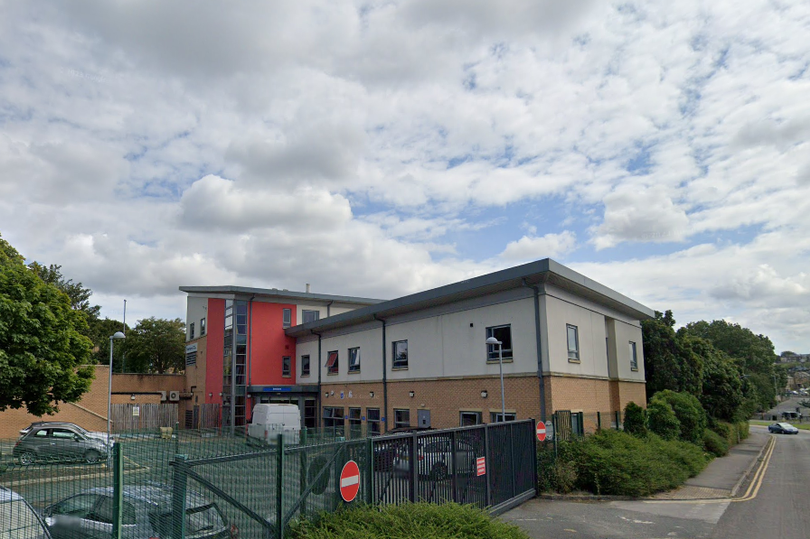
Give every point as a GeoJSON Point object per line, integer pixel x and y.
{"type": "Point", "coordinates": [270, 420]}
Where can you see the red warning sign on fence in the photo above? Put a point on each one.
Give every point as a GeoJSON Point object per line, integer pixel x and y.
{"type": "Point", "coordinates": [481, 465]}
{"type": "Point", "coordinates": [541, 431]}
{"type": "Point", "coordinates": [349, 481]}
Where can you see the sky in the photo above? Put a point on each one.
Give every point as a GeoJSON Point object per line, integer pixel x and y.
{"type": "Point", "coordinates": [381, 148]}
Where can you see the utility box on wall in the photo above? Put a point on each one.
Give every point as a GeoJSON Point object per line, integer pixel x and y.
{"type": "Point", "coordinates": [423, 417]}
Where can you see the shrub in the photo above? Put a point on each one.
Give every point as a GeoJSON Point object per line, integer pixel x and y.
{"type": "Point", "coordinates": [727, 431]}
{"type": "Point", "coordinates": [614, 462]}
{"type": "Point", "coordinates": [635, 419]}
{"type": "Point", "coordinates": [689, 412]}
{"type": "Point", "coordinates": [714, 443]}
{"type": "Point", "coordinates": [742, 429]}
{"type": "Point", "coordinates": [557, 474]}
{"type": "Point", "coordinates": [407, 521]}
{"type": "Point", "coordinates": [663, 421]}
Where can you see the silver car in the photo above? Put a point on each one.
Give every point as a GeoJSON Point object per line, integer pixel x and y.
{"type": "Point", "coordinates": [434, 459]}
{"type": "Point", "coordinates": [58, 443]}
{"type": "Point", "coordinates": [17, 519]}
{"type": "Point", "coordinates": [146, 513]}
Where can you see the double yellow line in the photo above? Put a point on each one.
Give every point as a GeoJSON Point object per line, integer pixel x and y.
{"type": "Point", "coordinates": [756, 482]}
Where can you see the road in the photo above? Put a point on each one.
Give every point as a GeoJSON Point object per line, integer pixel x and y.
{"type": "Point", "coordinates": [773, 504]}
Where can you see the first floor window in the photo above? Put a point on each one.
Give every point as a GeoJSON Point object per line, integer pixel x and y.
{"type": "Point", "coordinates": [402, 418]}
{"type": "Point", "coordinates": [286, 366]}
{"type": "Point", "coordinates": [399, 355]}
{"type": "Point", "coordinates": [467, 419]}
{"type": "Point", "coordinates": [573, 342]}
{"type": "Point", "coordinates": [310, 316]}
{"type": "Point", "coordinates": [202, 327]}
{"type": "Point", "coordinates": [286, 318]}
{"type": "Point", "coordinates": [332, 362]}
{"type": "Point", "coordinates": [503, 334]}
{"type": "Point", "coordinates": [495, 417]}
{"type": "Point", "coordinates": [305, 365]}
{"type": "Point", "coordinates": [191, 331]}
{"type": "Point", "coordinates": [373, 418]}
{"type": "Point", "coordinates": [354, 359]}
{"type": "Point", "coordinates": [633, 357]}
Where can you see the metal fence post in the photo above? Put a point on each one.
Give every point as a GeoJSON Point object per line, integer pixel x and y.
{"type": "Point", "coordinates": [118, 489]}
{"type": "Point", "coordinates": [598, 420]}
{"type": "Point", "coordinates": [280, 487]}
{"type": "Point", "coordinates": [176, 437]}
{"type": "Point", "coordinates": [454, 459]}
{"type": "Point", "coordinates": [179, 488]}
{"type": "Point", "coordinates": [302, 472]}
{"type": "Point", "coordinates": [488, 464]}
{"type": "Point", "coordinates": [370, 471]}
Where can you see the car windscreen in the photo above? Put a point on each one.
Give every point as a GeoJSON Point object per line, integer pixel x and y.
{"type": "Point", "coordinates": [199, 521]}
{"type": "Point", "coordinates": [18, 521]}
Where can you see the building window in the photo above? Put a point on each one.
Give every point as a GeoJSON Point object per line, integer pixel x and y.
{"type": "Point", "coordinates": [467, 419]}
{"type": "Point", "coordinates": [354, 359]}
{"type": "Point", "coordinates": [402, 418]}
{"type": "Point", "coordinates": [286, 366]}
{"type": "Point", "coordinates": [305, 365]}
{"type": "Point", "coordinates": [633, 357]}
{"type": "Point", "coordinates": [573, 343]}
{"type": "Point", "coordinates": [333, 420]}
{"type": "Point", "coordinates": [373, 417]}
{"type": "Point", "coordinates": [495, 417]}
{"type": "Point", "coordinates": [399, 355]}
{"type": "Point", "coordinates": [332, 362]}
{"type": "Point", "coordinates": [310, 316]}
{"type": "Point", "coordinates": [503, 334]}
{"type": "Point", "coordinates": [355, 424]}
{"type": "Point", "coordinates": [191, 331]}
{"type": "Point", "coordinates": [286, 318]}
{"type": "Point", "coordinates": [202, 327]}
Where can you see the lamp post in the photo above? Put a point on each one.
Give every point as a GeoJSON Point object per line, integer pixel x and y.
{"type": "Point", "coordinates": [493, 341]}
{"type": "Point", "coordinates": [116, 335]}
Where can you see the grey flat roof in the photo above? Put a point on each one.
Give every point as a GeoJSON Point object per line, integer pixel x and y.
{"type": "Point", "coordinates": [275, 293]}
{"type": "Point", "coordinates": [533, 273]}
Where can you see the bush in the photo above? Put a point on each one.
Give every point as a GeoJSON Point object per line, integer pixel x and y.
{"type": "Point", "coordinates": [555, 474]}
{"type": "Point", "coordinates": [635, 419]}
{"type": "Point", "coordinates": [714, 443]}
{"type": "Point", "coordinates": [663, 421]}
{"type": "Point", "coordinates": [727, 431]}
{"type": "Point", "coordinates": [743, 429]}
{"type": "Point", "coordinates": [614, 462]}
{"type": "Point", "coordinates": [689, 412]}
{"type": "Point", "coordinates": [406, 521]}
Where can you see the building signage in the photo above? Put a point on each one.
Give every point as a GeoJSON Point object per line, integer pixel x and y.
{"type": "Point", "coordinates": [279, 388]}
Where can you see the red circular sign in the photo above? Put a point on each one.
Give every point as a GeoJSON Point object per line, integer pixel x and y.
{"type": "Point", "coordinates": [349, 481]}
{"type": "Point", "coordinates": [541, 431]}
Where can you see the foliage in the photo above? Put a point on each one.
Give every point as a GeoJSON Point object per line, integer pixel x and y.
{"type": "Point", "coordinates": [555, 473]}
{"type": "Point", "coordinates": [615, 462]}
{"type": "Point", "coordinates": [101, 331]}
{"type": "Point", "coordinates": [669, 361]}
{"type": "Point", "coordinates": [662, 420]}
{"type": "Point", "coordinates": [714, 443]}
{"type": "Point", "coordinates": [635, 419]}
{"type": "Point", "coordinates": [79, 296]}
{"type": "Point", "coordinates": [722, 394]}
{"type": "Point", "coordinates": [155, 346]}
{"type": "Point", "coordinates": [689, 411]}
{"type": "Point", "coordinates": [406, 521]}
{"type": "Point", "coordinates": [805, 403]}
{"type": "Point", "coordinates": [743, 429]}
{"type": "Point", "coordinates": [41, 341]}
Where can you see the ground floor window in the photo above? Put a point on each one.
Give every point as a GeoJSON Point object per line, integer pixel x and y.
{"type": "Point", "coordinates": [373, 418]}
{"type": "Point", "coordinates": [402, 418]}
{"type": "Point", "coordinates": [467, 419]}
{"type": "Point", "coordinates": [355, 424]}
{"type": "Point", "coordinates": [333, 420]}
{"type": "Point", "coordinates": [495, 417]}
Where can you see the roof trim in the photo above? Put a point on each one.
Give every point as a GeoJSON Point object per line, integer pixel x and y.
{"type": "Point", "coordinates": [276, 293]}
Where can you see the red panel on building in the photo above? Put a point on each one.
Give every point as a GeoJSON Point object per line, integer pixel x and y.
{"type": "Point", "coordinates": [213, 361]}
{"type": "Point", "coordinates": [268, 344]}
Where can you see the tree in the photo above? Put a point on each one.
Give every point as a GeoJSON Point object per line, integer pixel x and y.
{"type": "Point", "coordinates": [688, 410]}
{"type": "Point", "coordinates": [156, 346]}
{"type": "Point", "coordinates": [669, 361]}
{"type": "Point", "coordinates": [79, 296]}
{"type": "Point", "coordinates": [41, 343]}
{"type": "Point", "coordinates": [635, 419]}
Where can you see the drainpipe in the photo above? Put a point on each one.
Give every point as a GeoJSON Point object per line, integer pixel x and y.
{"type": "Point", "coordinates": [318, 411]}
{"type": "Point", "coordinates": [250, 348]}
{"type": "Point", "coordinates": [385, 375]}
{"type": "Point", "coordinates": [539, 343]}
{"type": "Point", "coordinates": [329, 308]}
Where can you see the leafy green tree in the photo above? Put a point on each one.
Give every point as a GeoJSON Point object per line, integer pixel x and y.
{"type": "Point", "coordinates": [41, 343]}
{"type": "Point", "coordinates": [78, 294]}
{"type": "Point", "coordinates": [722, 396]}
{"type": "Point", "coordinates": [662, 420]}
{"type": "Point", "coordinates": [100, 331]}
{"type": "Point", "coordinates": [156, 346]}
{"type": "Point", "coordinates": [689, 411]}
{"type": "Point", "coordinates": [635, 419]}
{"type": "Point", "coordinates": [669, 361]}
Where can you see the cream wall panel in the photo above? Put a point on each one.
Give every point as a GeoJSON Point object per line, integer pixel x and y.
{"type": "Point", "coordinates": [370, 343]}
{"type": "Point", "coordinates": [624, 334]}
{"type": "Point", "coordinates": [591, 330]}
{"type": "Point", "coordinates": [310, 348]}
{"type": "Point", "coordinates": [196, 310]}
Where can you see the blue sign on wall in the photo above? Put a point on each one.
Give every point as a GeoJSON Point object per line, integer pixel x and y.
{"type": "Point", "coordinates": [281, 388]}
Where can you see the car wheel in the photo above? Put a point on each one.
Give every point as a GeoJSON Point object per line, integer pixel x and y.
{"type": "Point", "coordinates": [439, 471]}
{"type": "Point", "coordinates": [27, 458]}
{"type": "Point", "coordinates": [92, 456]}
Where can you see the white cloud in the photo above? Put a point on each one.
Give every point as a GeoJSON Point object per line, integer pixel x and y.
{"type": "Point", "coordinates": [530, 248]}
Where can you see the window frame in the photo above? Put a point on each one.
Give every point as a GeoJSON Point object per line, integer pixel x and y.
{"type": "Point", "coordinates": [374, 425]}
{"type": "Point", "coordinates": [355, 419]}
{"type": "Point", "coordinates": [191, 331]}
{"type": "Point", "coordinates": [286, 318]}
{"type": "Point", "coordinates": [202, 326]}
{"type": "Point", "coordinates": [286, 366]}
{"type": "Point", "coordinates": [305, 312]}
{"type": "Point", "coordinates": [305, 365]}
{"type": "Point", "coordinates": [354, 361]}
{"type": "Point", "coordinates": [398, 364]}
{"type": "Point", "coordinates": [575, 358]}
{"type": "Point", "coordinates": [492, 352]}
{"type": "Point", "coordinates": [633, 356]}
{"type": "Point", "coordinates": [332, 367]}
{"type": "Point", "coordinates": [477, 416]}
{"type": "Point", "coordinates": [510, 416]}
{"type": "Point", "coordinates": [397, 421]}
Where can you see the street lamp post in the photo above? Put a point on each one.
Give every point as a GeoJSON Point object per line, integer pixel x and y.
{"type": "Point", "coordinates": [493, 341]}
{"type": "Point", "coordinates": [116, 335]}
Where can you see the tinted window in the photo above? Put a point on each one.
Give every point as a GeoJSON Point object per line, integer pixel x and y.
{"type": "Point", "coordinates": [78, 506]}
{"type": "Point", "coordinates": [199, 519]}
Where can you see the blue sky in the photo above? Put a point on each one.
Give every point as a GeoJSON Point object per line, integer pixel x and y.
{"type": "Point", "coordinates": [382, 148]}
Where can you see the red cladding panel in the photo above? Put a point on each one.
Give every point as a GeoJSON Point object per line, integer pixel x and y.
{"type": "Point", "coordinates": [269, 344]}
{"type": "Point", "coordinates": [214, 350]}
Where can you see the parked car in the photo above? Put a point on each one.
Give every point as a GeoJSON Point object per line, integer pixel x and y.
{"type": "Point", "coordinates": [58, 443]}
{"type": "Point", "coordinates": [387, 453]}
{"type": "Point", "coordinates": [146, 511]}
{"type": "Point", "coordinates": [435, 459]}
{"type": "Point", "coordinates": [90, 434]}
{"type": "Point", "coordinates": [783, 428]}
{"type": "Point", "coordinates": [18, 519]}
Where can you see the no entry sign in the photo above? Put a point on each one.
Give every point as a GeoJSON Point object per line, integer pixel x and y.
{"type": "Point", "coordinates": [349, 481]}
{"type": "Point", "coordinates": [541, 431]}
